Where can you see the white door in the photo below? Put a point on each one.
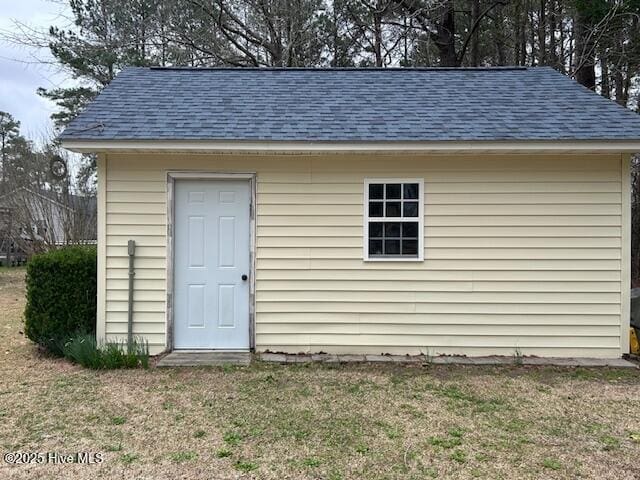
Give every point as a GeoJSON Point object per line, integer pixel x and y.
{"type": "Point", "coordinates": [211, 264]}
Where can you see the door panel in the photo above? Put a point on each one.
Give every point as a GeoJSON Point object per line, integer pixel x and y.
{"type": "Point", "coordinates": [226, 306]}
{"type": "Point", "coordinates": [196, 305]}
{"type": "Point", "coordinates": [226, 242]}
{"type": "Point", "coordinates": [196, 242]}
{"type": "Point", "coordinates": [211, 245]}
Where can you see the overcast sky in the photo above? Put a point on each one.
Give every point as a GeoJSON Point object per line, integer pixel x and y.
{"type": "Point", "coordinates": [19, 75]}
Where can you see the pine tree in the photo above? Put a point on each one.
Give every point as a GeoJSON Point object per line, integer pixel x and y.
{"type": "Point", "coordinates": [10, 137]}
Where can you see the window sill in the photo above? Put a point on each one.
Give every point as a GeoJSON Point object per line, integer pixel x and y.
{"type": "Point", "coordinates": [393, 259]}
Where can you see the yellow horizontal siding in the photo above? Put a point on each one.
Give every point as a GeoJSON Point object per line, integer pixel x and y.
{"type": "Point", "coordinates": [139, 328]}
{"type": "Point", "coordinates": [124, 207]}
{"type": "Point", "coordinates": [136, 219]}
{"type": "Point", "coordinates": [449, 253]}
{"type": "Point", "coordinates": [452, 264]}
{"type": "Point", "coordinates": [141, 273]}
{"type": "Point", "coordinates": [431, 274]}
{"type": "Point", "coordinates": [435, 231]}
{"type": "Point", "coordinates": [141, 294]}
{"type": "Point", "coordinates": [296, 320]}
{"type": "Point", "coordinates": [359, 285]}
{"type": "Point", "coordinates": [140, 317]}
{"type": "Point", "coordinates": [142, 251]}
{"type": "Point", "coordinates": [497, 339]}
{"type": "Point", "coordinates": [136, 197]}
{"type": "Point", "coordinates": [142, 284]}
{"type": "Point", "coordinates": [430, 198]}
{"type": "Point", "coordinates": [439, 242]}
{"type": "Point", "coordinates": [138, 306]}
{"type": "Point", "coordinates": [155, 340]}
{"type": "Point", "coordinates": [521, 251]}
{"type": "Point", "coordinates": [417, 297]}
{"type": "Point", "coordinates": [413, 307]}
{"type": "Point", "coordinates": [156, 230]}
{"type": "Point", "coordinates": [447, 187]}
{"type": "Point", "coordinates": [380, 329]}
{"type": "Point", "coordinates": [435, 221]}
{"type": "Point", "coordinates": [136, 186]}
{"type": "Point", "coordinates": [144, 240]}
{"type": "Point", "coordinates": [567, 175]}
{"type": "Point", "coordinates": [140, 262]}
{"type": "Point", "coordinates": [445, 349]}
{"type": "Point", "coordinates": [434, 210]}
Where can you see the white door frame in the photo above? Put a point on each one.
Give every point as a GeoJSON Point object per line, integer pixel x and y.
{"type": "Point", "coordinates": [172, 176]}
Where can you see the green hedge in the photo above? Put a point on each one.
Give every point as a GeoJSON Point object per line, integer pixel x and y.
{"type": "Point", "coordinates": [61, 296]}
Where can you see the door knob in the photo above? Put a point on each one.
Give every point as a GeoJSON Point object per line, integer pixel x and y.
{"type": "Point", "coordinates": [244, 278]}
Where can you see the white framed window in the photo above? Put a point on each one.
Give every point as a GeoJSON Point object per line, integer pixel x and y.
{"type": "Point", "coordinates": [394, 219]}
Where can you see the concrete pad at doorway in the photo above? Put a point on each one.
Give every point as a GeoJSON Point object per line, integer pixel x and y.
{"type": "Point", "coordinates": [193, 358]}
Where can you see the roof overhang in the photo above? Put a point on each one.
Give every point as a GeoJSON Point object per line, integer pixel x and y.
{"type": "Point", "coordinates": [215, 146]}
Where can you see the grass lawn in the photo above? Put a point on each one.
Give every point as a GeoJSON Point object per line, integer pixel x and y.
{"type": "Point", "coordinates": [313, 421]}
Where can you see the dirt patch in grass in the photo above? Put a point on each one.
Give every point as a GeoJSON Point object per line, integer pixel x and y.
{"type": "Point", "coordinates": [313, 421]}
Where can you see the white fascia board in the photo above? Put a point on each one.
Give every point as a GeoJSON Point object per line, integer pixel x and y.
{"type": "Point", "coordinates": [93, 146]}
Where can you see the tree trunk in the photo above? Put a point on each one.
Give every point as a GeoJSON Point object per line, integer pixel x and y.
{"type": "Point", "coordinates": [4, 160]}
{"type": "Point", "coordinates": [553, 54]}
{"type": "Point", "coordinates": [605, 85]}
{"type": "Point", "coordinates": [405, 42]}
{"type": "Point", "coordinates": [475, 41]}
{"type": "Point", "coordinates": [585, 73]}
{"type": "Point", "coordinates": [627, 88]}
{"type": "Point", "coordinates": [335, 38]}
{"type": "Point", "coordinates": [517, 28]}
{"type": "Point", "coordinates": [542, 32]}
{"type": "Point", "coordinates": [562, 51]}
{"type": "Point", "coordinates": [445, 37]}
{"type": "Point", "coordinates": [532, 35]}
{"type": "Point", "coordinates": [619, 83]}
{"type": "Point", "coordinates": [377, 38]}
{"type": "Point", "coordinates": [499, 36]}
{"type": "Point", "coordinates": [523, 38]}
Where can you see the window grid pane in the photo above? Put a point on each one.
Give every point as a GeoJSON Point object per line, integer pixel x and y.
{"type": "Point", "coordinates": [391, 240]}
{"type": "Point", "coordinates": [410, 191]}
{"type": "Point", "coordinates": [393, 191]}
{"type": "Point", "coordinates": [393, 200]}
{"type": "Point", "coordinates": [376, 209]}
{"type": "Point", "coordinates": [376, 191]}
{"type": "Point", "coordinates": [393, 226]}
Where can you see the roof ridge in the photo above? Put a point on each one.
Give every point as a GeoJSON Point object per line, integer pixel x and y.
{"type": "Point", "coordinates": [342, 69]}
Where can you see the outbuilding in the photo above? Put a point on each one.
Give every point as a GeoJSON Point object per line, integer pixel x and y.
{"type": "Point", "coordinates": [428, 211]}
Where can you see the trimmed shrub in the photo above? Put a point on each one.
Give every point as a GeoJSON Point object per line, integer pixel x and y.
{"type": "Point", "coordinates": [61, 296]}
{"type": "Point", "coordinates": [84, 350]}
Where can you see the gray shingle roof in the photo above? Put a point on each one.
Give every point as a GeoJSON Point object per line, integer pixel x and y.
{"type": "Point", "coordinates": [350, 105]}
